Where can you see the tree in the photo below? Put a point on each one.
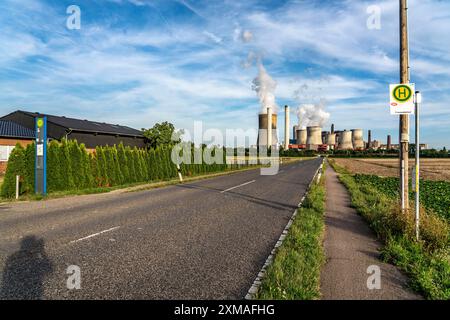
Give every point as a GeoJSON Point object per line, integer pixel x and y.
{"type": "Point", "coordinates": [16, 166]}
{"type": "Point", "coordinates": [162, 134]}
{"type": "Point", "coordinates": [29, 159]}
{"type": "Point", "coordinates": [54, 179]}
{"type": "Point", "coordinates": [123, 163]}
{"type": "Point", "coordinates": [66, 166]}
{"type": "Point", "coordinates": [102, 171]}
{"type": "Point", "coordinates": [86, 170]}
{"type": "Point", "coordinates": [131, 165]}
{"type": "Point", "coordinates": [76, 164]}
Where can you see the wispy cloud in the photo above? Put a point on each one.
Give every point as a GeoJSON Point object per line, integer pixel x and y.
{"type": "Point", "coordinates": [138, 62]}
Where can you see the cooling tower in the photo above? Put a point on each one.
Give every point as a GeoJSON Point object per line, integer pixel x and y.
{"type": "Point", "coordinates": [301, 136]}
{"type": "Point", "coordinates": [262, 135]}
{"type": "Point", "coordinates": [314, 137]}
{"type": "Point", "coordinates": [331, 141]}
{"type": "Point", "coordinates": [345, 140]}
{"type": "Point", "coordinates": [325, 136]}
{"type": "Point", "coordinates": [357, 139]}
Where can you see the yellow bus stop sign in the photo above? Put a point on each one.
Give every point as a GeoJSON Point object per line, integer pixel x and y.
{"type": "Point", "coordinates": [402, 98]}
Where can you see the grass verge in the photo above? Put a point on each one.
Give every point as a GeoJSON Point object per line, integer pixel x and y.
{"type": "Point", "coordinates": [295, 270]}
{"type": "Point", "coordinates": [426, 262]}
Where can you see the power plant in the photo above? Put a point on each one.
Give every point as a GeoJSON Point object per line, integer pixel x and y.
{"type": "Point", "coordinates": [313, 138]}
{"type": "Point", "coordinates": [301, 136]}
{"type": "Point", "coordinates": [357, 139]}
{"type": "Point", "coordinates": [345, 140]}
{"type": "Point", "coordinates": [267, 135]}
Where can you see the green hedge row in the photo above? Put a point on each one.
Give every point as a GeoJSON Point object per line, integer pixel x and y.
{"type": "Point", "coordinates": [71, 167]}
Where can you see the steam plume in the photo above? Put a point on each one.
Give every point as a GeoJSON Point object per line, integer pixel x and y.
{"type": "Point", "coordinates": [312, 115]}
{"type": "Point", "coordinates": [265, 87]}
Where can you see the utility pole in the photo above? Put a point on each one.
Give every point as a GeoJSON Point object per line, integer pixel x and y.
{"type": "Point", "coordinates": [404, 118]}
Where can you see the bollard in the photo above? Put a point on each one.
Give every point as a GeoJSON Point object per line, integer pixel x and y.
{"type": "Point", "coordinates": [180, 176]}
{"type": "Point", "coordinates": [17, 186]}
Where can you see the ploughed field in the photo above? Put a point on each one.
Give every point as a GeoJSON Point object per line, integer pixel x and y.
{"type": "Point", "coordinates": [382, 174]}
{"type": "Point", "coordinates": [431, 169]}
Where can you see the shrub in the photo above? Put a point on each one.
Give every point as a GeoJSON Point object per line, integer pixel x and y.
{"type": "Point", "coordinates": [16, 166]}
{"type": "Point", "coordinates": [29, 164]}
{"type": "Point", "coordinates": [54, 176]}
{"type": "Point", "coordinates": [65, 162]}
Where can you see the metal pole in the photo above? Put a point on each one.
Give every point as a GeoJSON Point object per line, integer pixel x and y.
{"type": "Point", "coordinates": [286, 128]}
{"type": "Point", "coordinates": [404, 118]}
{"type": "Point", "coordinates": [418, 100]}
{"type": "Point", "coordinates": [17, 186]}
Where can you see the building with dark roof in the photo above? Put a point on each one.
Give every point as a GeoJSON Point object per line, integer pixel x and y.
{"type": "Point", "coordinates": [12, 133]}
{"type": "Point", "coordinates": [91, 133]}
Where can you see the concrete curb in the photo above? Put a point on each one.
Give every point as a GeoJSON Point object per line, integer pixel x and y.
{"type": "Point", "coordinates": [253, 291]}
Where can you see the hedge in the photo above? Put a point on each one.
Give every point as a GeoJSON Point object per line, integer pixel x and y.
{"type": "Point", "coordinates": [71, 167]}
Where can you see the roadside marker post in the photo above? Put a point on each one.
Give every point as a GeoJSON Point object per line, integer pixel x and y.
{"type": "Point", "coordinates": [180, 176]}
{"type": "Point", "coordinates": [417, 102]}
{"type": "Point", "coordinates": [17, 186]}
{"type": "Point", "coordinates": [40, 166]}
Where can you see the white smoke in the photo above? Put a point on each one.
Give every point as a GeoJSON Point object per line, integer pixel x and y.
{"type": "Point", "coordinates": [265, 87]}
{"type": "Point", "coordinates": [312, 115]}
{"type": "Point", "coordinates": [247, 36]}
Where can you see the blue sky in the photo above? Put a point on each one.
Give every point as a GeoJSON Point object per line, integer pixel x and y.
{"type": "Point", "coordinates": [138, 62]}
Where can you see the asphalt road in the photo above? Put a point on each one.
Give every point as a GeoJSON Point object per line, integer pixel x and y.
{"type": "Point", "coordinates": [202, 240]}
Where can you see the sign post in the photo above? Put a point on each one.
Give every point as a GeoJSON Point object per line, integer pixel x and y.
{"type": "Point", "coordinates": [402, 104]}
{"type": "Point", "coordinates": [402, 98]}
{"type": "Point", "coordinates": [41, 156]}
{"type": "Point", "coordinates": [417, 101]}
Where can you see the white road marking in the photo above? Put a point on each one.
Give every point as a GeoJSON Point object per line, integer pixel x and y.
{"type": "Point", "coordinates": [241, 185]}
{"type": "Point", "coordinates": [95, 234]}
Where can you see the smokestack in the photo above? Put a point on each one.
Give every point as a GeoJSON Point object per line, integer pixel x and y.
{"type": "Point", "coordinates": [286, 127]}
{"type": "Point", "coordinates": [345, 140]}
{"type": "Point", "coordinates": [332, 128]}
{"type": "Point", "coordinates": [369, 139]}
{"type": "Point", "coordinates": [269, 127]}
{"type": "Point", "coordinates": [314, 138]}
{"type": "Point", "coordinates": [388, 147]}
{"type": "Point", "coordinates": [357, 139]}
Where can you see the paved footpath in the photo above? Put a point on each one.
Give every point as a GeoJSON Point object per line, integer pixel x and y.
{"type": "Point", "coordinates": [351, 248]}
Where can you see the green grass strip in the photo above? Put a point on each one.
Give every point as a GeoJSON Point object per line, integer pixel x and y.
{"type": "Point", "coordinates": [295, 271]}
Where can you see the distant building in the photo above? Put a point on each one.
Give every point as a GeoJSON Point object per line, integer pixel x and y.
{"type": "Point", "coordinates": [12, 133]}
{"type": "Point", "coordinates": [91, 133]}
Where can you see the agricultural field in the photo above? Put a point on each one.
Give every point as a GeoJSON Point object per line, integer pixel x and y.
{"type": "Point", "coordinates": [431, 169]}
{"type": "Point", "coordinates": [382, 174]}
{"type": "Point", "coordinates": [435, 195]}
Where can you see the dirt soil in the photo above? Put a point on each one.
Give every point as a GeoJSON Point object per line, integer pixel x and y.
{"type": "Point", "coordinates": [431, 169]}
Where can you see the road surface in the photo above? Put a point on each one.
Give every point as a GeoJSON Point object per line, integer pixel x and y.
{"type": "Point", "coordinates": [202, 240]}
